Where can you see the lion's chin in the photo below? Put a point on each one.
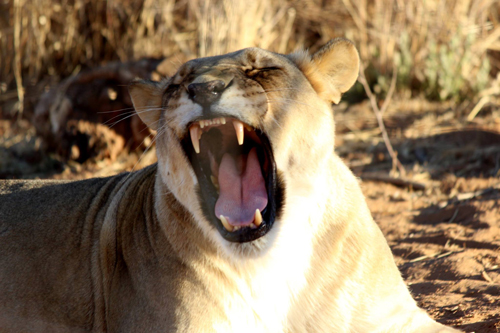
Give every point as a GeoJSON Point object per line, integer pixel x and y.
{"type": "Point", "coordinates": [239, 187]}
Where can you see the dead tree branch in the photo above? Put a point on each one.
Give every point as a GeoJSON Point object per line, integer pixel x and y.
{"type": "Point", "coordinates": [379, 113]}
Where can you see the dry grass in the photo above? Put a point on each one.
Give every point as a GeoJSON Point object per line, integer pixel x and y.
{"type": "Point", "coordinates": [440, 47]}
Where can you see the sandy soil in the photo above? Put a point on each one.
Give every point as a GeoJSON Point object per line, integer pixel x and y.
{"type": "Point", "coordinates": [442, 223]}
{"type": "Point", "coordinates": [445, 235]}
{"type": "Point", "coordinates": [447, 251]}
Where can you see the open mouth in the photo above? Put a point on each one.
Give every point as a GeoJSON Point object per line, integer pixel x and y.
{"type": "Point", "coordinates": [235, 167]}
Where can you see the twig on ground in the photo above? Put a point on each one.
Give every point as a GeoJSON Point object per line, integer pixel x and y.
{"type": "Point", "coordinates": [434, 256]}
{"type": "Point", "coordinates": [17, 56]}
{"type": "Point", "coordinates": [472, 195]}
{"type": "Point", "coordinates": [486, 276]}
{"type": "Point", "coordinates": [482, 102]}
{"type": "Point", "coordinates": [454, 216]}
{"type": "Point", "coordinates": [392, 180]}
{"type": "Point", "coordinates": [379, 112]}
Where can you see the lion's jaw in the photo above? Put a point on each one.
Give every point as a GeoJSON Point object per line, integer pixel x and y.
{"type": "Point", "coordinates": [277, 165]}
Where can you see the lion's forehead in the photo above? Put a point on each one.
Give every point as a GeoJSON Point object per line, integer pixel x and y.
{"type": "Point", "coordinates": [234, 63]}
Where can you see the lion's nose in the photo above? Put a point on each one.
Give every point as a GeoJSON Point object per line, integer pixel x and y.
{"type": "Point", "coordinates": [206, 93]}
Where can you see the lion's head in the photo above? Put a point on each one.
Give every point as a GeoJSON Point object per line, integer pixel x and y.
{"type": "Point", "coordinates": [239, 135]}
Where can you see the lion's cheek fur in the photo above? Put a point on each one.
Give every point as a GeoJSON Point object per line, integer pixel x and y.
{"type": "Point", "coordinates": [179, 178]}
{"type": "Point", "coordinates": [176, 172]}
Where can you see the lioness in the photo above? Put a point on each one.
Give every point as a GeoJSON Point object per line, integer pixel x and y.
{"type": "Point", "coordinates": [248, 223]}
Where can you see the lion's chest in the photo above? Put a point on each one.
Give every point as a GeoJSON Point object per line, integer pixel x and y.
{"type": "Point", "coordinates": [260, 296]}
{"type": "Point", "coordinates": [256, 307]}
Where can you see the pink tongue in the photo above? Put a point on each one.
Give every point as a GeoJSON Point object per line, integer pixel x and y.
{"type": "Point", "coordinates": [240, 193]}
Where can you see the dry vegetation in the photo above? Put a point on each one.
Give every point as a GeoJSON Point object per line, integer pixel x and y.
{"type": "Point", "coordinates": [432, 66]}
{"type": "Point", "coordinates": [440, 48]}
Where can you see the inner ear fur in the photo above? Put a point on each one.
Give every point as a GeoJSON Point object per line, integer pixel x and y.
{"type": "Point", "coordinates": [147, 99]}
{"type": "Point", "coordinates": [332, 70]}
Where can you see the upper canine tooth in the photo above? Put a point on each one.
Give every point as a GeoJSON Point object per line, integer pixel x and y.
{"type": "Point", "coordinates": [257, 220]}
{"type": "Point", "coordinates": [240, 134]}
{"type": "Point", "coordinates": [194, 132]}
{"type": "Point", "coordinates": [202, 123]}
{"type": "Point", "coordinates": [226, 224]}
{"type": "Point", "coordinates": [223, 121]}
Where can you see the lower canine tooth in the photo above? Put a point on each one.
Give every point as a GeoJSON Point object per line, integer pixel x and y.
{"type": "Point", "coordinates": [257, 220]}
{"type": "Point", "coordinates": [195, 134]}
{"type": "Point", "coordinates": [215, 181]}
{"type": "Point", "coordinates": [226, 224]}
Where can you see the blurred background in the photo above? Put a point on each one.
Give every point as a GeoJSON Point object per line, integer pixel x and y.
{"type": "Point", "coordinates": [70, 61]}
{"type": "Point", "coordinates": [431, 70]}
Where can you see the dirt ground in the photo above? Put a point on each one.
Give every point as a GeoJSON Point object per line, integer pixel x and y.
{"type": "Point", "coordinates": [442, 222]}
{"type": "Point", "coordinates": [444, 229]}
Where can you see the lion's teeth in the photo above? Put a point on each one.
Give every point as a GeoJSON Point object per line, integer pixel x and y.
{"type": "Point", "coordinates": [226, 224]}
{"type": "Point", "coordinates": [257, 220]}
{"type": "Point", "coordinates": [215, 181]}
{"type": "Point", "coordinates": [238, 127]}
{"type": "Point", "coordinates": [195, 134]}
{"type": "Point", "coordinates": [214, 122]}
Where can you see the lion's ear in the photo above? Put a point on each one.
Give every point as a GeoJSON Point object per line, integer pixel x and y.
{"type": "Point", "coordinates": [147, 99]}
{"type": "Point", "coordinates": [332, 70]}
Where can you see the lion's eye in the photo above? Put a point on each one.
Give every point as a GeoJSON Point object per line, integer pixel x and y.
{"type": "Point", "coordinates": [252, 72]}
{"type": "Point", "coordinates": [267, 69]}
{"type": "Point", "coordinates": [171, 89]}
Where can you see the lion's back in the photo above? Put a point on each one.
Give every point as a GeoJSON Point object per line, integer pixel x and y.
{"type": "Point", "coordinates": [47, 232]}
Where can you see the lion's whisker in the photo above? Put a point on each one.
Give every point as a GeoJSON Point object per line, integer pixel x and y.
{"type": "Point", "coordinates": [276, 121]}
{"type": "Point", "coordinates": [129, 114]}
{"type": "Point", "coordinates": [117, 110]}
{"type": "Point", "coordinates": [107, 122]}
{"type": "Point", "coordinates": [127, 109]}
{"type": "Point", "coordinates": [281, 89]}
{"type": "Point", "coordinates": [288, 100]}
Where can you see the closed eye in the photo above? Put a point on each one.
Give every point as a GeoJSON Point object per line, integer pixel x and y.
{"type": "Point", "coordinates": [270, 69]}
{"type": "Point", "coordinates": [171, 89]}
{"type": "Point", "coordinates": [256, 71]}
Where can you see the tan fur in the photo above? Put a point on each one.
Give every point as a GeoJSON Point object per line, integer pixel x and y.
{"type": "Point", "coordinates": [135, 253]}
